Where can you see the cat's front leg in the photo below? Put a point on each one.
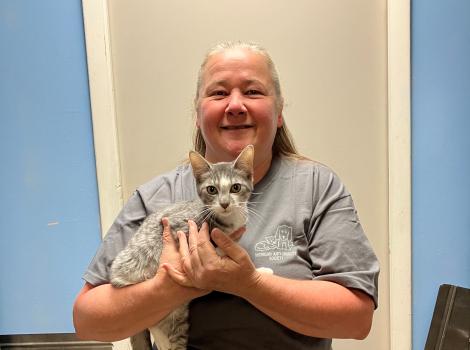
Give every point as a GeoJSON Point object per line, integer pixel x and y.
{"type": "Point", "coordinates": [141, 341]}
{"type": "Point", "coordinates": [171, 333]}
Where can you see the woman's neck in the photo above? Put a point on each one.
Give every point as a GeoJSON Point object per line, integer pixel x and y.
{"type": "Point", "coordinates": [261, 168]}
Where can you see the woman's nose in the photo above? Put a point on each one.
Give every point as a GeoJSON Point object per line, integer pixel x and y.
{"type": "Point", "coordinates": [236, 106]}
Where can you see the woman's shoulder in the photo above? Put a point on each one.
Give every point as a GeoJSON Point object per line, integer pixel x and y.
{"type": "Point", "coordinates": [302, 165]}
{"type": "Point", "coordinates": [169, 187]}
{"type": "Point", "coordinates": [308, 173]}
{"type": "Point", "coordinates": [168, 178]}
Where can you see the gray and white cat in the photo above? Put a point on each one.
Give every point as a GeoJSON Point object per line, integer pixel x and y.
{"type": "Point", "coordinates": [224, 189]}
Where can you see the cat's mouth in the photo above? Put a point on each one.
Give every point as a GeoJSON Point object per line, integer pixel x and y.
{"type": "Point", "coordinates": [236, 127]}
{"type": "Point", "coordinates": [224, 212]}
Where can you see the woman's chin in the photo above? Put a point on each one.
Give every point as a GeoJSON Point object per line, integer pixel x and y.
{"type": "Point", "coordinates": [231, 150]}
{"type": "Point", "coordinates": [235, 148]}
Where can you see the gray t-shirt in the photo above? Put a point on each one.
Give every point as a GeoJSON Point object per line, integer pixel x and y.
{"type": "Point", "coordinates": [303, 225]}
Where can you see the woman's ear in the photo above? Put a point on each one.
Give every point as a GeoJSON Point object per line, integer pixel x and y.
{"type": "Point", "coordinates": [280, 120]}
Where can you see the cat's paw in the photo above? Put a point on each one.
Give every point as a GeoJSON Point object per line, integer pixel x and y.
{"type": "Point", "coordinates": [265, 270]}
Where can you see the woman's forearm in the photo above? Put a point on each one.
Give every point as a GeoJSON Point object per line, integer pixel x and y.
{"type": "Point", "coordinates": [315, 308]}
{"type": "Point", "coordinates": [105, 313]}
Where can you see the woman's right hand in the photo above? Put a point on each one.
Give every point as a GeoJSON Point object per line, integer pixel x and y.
{"type": "Point", "coordinates": [171, 257]}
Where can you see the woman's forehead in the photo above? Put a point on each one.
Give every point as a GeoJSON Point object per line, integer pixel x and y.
{"type": "Point", "coordinates": [240, 61]}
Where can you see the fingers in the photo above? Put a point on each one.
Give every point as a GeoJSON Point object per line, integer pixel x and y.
{"type": "Point", "coordinates": [169, 243]}
{"type": "Point", "coordinates": [206, 251]}
{"type": "Point", "coordinates": [197, 254]}
{"type": "Point", "coordinates": [193, 239]}
{"type": "Point", "coordinates": [178, 276]}
{"type": "Point", "coordinates": [189, 250]}
{"type": "Point", "coordinates": [184, 250]}
{"type": "Point", "coordinates": [167, 236]}
{"type": "Point", "coordinates": [236, 235]}
{"type": "Point", "coordinates": [183, 243]}
{"type": "Point", "coordinates": [227, 245]}
{"type": "Point", "coordinates": [203, 268]}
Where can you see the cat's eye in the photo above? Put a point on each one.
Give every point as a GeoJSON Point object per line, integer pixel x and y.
{"type": "Point", "coordinates": [211, 190]}
{"type": "Point", "coordinates": [235, 188]}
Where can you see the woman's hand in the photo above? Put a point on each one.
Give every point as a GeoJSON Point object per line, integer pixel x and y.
{"type": "Point", "coordinates": [171, 257]}
{"type": "Point", "coordinates": [203, 268]}
{"type": "Point", "coordinates": [170, 253]}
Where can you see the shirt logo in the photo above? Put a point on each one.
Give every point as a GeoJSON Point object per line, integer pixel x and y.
{"type": "Point", "coordinates": [276, 247]}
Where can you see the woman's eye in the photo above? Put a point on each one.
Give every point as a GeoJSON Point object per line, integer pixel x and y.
{"type": "Point", "coordinates": [253, 92]}
{"type": "Point", "coordinates": [211, 190]}
{"type": "Point", "coordinates": [219, 93]}
{"type": "Point", "coordinates": [236, 188]}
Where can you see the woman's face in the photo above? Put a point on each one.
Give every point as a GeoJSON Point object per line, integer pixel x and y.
{"type": "Point", "coordinates": [237, 106]}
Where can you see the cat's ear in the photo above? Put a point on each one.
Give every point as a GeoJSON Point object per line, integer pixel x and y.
{"type": "Point", "coordinates": [244, 160]}
{"type": "Point", "coordinates": [199, 164]}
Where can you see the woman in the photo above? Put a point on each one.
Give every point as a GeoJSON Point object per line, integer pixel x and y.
{"type": "Point", "coordinates": [325, 273]}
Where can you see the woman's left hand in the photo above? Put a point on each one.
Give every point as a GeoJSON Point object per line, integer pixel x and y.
{"type": "Point", "coordinates": [203, 268]}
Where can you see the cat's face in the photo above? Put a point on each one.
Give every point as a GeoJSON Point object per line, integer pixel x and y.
{"type": "Point", "coordinates": [224, 187]}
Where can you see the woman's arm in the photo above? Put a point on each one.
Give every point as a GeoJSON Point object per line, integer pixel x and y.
{"type": "Point", "coordinates": [315, 308]}
{"type": "Point", "coordinates": [107, 313]}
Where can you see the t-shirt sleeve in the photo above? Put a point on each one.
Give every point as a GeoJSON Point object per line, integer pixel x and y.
{"type": "Point", "coordinates": [339, 249]}
{"type": "Point", "coordinates": [125, 225]}
{"type": "Point", "coordinates": [148, 198]}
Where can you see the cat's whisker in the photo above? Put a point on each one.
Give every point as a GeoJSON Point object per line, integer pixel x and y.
{"type": "Point", "coordinates": [256, 193]}
{"type": "Point", "coordinates": [205, 212]}
{"type": "Point", "coordinates": [206, 215]}
{"type": "Point", "coordinates": [251, 206]}
{"type": "Point", "coordinates": [206, 209]}
{"type": "Point", "coordinates": [255, 215]}
{"type": "Point", "coordinates": [210, 218]}
{"type": "Point", "coordinates": [248, 203]}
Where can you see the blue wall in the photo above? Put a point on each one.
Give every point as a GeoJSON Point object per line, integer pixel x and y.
{"type": "Point", "coordinates": [441, 153]}
{"type": "Point", "coordinates": [49, 226]}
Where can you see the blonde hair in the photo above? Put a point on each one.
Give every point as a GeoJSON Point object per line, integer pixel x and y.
{"type": "Point", "coordinates": [283, 142]}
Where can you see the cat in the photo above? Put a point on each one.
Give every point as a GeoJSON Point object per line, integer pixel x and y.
{"type": "Point", "coordinates": [223, 189]}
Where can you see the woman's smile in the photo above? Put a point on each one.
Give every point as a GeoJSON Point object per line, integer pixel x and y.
{"type": "Point", "coordinates": [236, 127]}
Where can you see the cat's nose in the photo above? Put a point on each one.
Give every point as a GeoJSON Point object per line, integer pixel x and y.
{"type": "Point", "coordinates": [224, 205]}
